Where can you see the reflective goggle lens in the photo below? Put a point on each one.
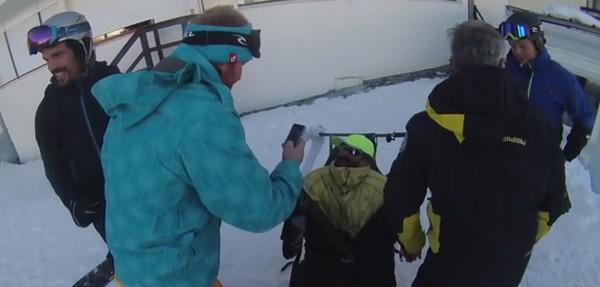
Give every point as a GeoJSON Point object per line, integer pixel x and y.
{"type": "Point", "coordinates": [39, 38]}
{"type": "Point", "coordinates": [514, 31]}
{"type": "Point", "coordinates": [43, 36]}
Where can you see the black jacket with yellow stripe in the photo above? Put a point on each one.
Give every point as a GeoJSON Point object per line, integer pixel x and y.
{"type": "Point", "coordinates": [496, 177]}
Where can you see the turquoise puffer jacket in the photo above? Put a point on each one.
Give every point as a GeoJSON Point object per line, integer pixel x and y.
{"type": "Point", "coordinates": [176, 163]}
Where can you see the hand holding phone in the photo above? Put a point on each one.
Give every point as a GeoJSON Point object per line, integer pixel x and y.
{"type": "Point", "coordinates": [293, 147]}
{"type": "Point", "coordinates": [295, 133]}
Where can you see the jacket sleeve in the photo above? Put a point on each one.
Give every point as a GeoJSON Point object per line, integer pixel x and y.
{"type": "Point", "coordinates": [294, 228]}
{"type": "Point", "coordinates": [52, 153]}
{"type": "Point", "coordinates": [580, 108]}
{"type": "Point", "coordinates": [404, 193]}
{"type": "Point", "coordinates": [230, 181]}
{"type": "Point", "coordinates": [556, 201]}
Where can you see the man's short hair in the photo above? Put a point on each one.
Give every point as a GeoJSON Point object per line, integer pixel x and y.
{"type": "Point", "coordinates": [225, 16]}
{"type": "Point", "coordinates": [476, 43]}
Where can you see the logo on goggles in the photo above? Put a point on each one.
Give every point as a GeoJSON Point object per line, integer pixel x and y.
{"type": "Point", "coordinates": [250, 42]}
{"type": "Point", "coordinates": [242, 40]}
{"type": "Point", "coordinates": [518, 31]}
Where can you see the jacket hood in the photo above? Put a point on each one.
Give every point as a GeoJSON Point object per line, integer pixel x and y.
{"type": "Point", "coordinates": [348, 178]}
{"type": "Point", "coordinates": [129, 98]}
{"type": "Point", "coordinates": [477, 102]}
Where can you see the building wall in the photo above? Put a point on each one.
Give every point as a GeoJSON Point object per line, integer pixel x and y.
{"type": "Point", "coordinates": [493, 11]}
{"type": "Point", "coordinates": [19, 99]}
{"type": "Point", "coordinates": [538, 5]}
{"type": "Point", "coordinates": [109, 15]}
{"type": "Point", "coordinates": [7, 149]}
{"type": "Point", "coordinates": [309, 47]}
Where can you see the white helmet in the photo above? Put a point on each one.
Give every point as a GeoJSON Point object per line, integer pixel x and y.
{"type": "Point", "coordinates": [63, 26]}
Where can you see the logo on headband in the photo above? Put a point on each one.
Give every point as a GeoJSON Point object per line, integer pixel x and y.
{"type": "Point", "coordinates": [233, 58]}
{"type": "Point", "coordinates": [242, 40]}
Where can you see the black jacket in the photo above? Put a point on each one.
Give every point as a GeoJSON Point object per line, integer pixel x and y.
{"type": "Point", "coordinates": [69, 129]}
{"type": "Point", "coordinates": [336, 254]}
{"type": "Point", "coordinates": [333, 258]}
{"type": "Point", "coordinates": [493, 166]}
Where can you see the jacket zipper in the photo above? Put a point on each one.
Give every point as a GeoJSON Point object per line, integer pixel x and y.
{"type": "Point", "coordinates": [87, 119]}
{"type": "Point", "coordinates": [530, 82]}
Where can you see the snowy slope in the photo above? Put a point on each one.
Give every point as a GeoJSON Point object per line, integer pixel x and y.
{"type": "Point", "coordinates": [40, 246]}
{"type": "Point", "coordinates": [571, 13]}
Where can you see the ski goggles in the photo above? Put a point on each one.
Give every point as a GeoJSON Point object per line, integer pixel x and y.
{"type": "Point", "coordinates": [44, 36]}
{"type": "Point", "coordinates": [249, 41]}
{"type": "Point", "coordinates": [517, 31]}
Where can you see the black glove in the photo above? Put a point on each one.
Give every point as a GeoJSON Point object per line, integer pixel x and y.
{"type": "Point", "coordinates": [84, 212]}
{"type": "Point", "coordinates": [294, 228]}
{"type": "Point", "coordinates": [576, 141]}
{"type": "Point", "coordinates": [292, 236]}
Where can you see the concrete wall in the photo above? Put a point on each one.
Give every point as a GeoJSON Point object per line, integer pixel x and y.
{"type": "Point", "coordinates": [19, 99]}
{"type": "Point", "coordinates": [538, 5]}
{"type": "Point", "coordinates": [493, 11]}
{"type": "Point", "coordinates": [309, 47]}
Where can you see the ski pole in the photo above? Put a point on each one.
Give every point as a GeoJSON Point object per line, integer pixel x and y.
{"type": "Point", "coordinates": [388, 136]}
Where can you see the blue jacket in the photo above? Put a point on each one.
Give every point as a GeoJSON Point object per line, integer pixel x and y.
{"type": "Point", "coordinates": [554, 89]}
{"type": "Point", "coordinates": [176, 164]}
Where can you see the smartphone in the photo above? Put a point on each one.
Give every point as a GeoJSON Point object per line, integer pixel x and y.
{"type": "Point", "coordinates": [295, 133]}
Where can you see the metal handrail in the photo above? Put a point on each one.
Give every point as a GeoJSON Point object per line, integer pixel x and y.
{"type": "Point", "coordinates": [141, 34]}
{"type": "Point", "coordinates": [389, 137]}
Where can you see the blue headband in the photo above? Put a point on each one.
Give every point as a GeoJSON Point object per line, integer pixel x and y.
{"type": "Point", "coordinates": [221, 54]}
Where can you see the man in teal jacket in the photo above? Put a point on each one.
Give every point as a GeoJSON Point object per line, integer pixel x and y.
{"type": "Point", "coordinates": [177, 163]}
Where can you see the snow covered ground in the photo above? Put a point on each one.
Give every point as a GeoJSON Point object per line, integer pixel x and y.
{"type": "Point", "coordinates": [572, 14]}
{"type": "Point", "coordinates": [41, 247]}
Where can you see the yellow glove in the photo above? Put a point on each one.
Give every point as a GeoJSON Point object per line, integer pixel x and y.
{"type": "Point", "coordinates": [412, 237]}
{"type": "Point", "coordinates": [543, 226]}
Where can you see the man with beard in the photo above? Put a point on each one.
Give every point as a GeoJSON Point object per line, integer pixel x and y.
{"type": "Point", "coordinates": [69, 123]}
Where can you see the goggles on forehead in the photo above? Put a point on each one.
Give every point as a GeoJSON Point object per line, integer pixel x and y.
{"type": "Point", "coordinates": [43, 36]}
{"type": "Point", "coordinates": [249, 41]}
{"type": "Point", "coordinates": [518, 31]}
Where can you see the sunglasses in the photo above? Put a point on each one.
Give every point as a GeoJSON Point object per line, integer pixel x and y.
{"type": "Point", "coordinates": [517, 31]}
{"type": "Point", "coordinates": [251, 41]}
{"type": "Point", "coordinates": [44, 36]}
{"type": "Point", "coordinates": [351, 150]}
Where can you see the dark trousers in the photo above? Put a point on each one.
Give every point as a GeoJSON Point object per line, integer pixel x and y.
{"type": "Point", "coordinates": [440, 270]}
{"type": "Point", "coordinates": [99, 225]}
{"type": "Point", "coordinates": [318, 270]}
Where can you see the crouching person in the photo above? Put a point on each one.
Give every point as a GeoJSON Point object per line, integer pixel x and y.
{"type": "Point", "coordinates": [340, 219]}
